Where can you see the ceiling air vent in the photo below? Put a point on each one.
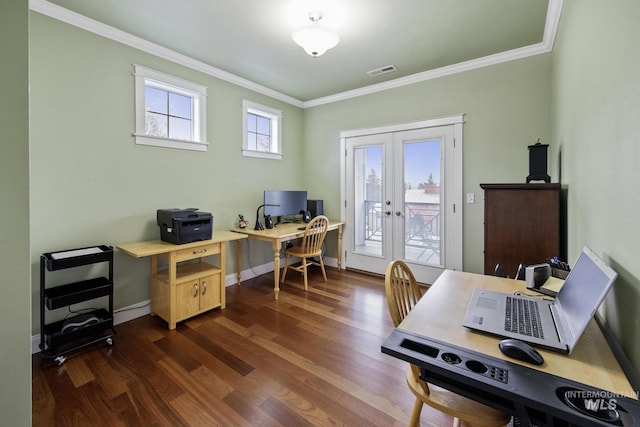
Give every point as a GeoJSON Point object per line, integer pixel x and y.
{"type": "Point", "coordinates": [382, 70]}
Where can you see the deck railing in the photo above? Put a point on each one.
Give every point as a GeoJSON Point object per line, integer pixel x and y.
{"type": "Point", "coordinates": [422, 224]}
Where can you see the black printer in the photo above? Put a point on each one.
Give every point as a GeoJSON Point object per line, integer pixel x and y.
{"type": "Point", "coordinates": [181, 226]}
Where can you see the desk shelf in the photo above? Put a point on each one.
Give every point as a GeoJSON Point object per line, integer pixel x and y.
{"type": "Point", "coordinates": [187, 272]}
{"type": "Point", "coordinates": [56, 341]}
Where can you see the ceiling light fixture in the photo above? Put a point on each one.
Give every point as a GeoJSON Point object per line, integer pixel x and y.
{"type": "Point", "coordinates": [314, 38]}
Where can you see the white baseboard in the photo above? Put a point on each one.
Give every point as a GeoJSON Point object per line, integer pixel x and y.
{"type": "Point", "coordinates": [143, 308]}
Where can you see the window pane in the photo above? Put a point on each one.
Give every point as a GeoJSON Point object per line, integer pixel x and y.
{"type": "Point", "coordinates": [251, 141]}
{"type": "Point", "coordinates": [169, 111]}
{"type": "Point", "coordinates": [264, 125]}
{"type": "Point", "coordinates": [251, 122]}
{"type": "Point", "coordinates": [263, 143]}
{"type": "Point", "coordinates": [423, 210]}
{"type": "Point", "coordinates": [155, 124]}
{"type": "Point", "coordinates": [155, 100]}
{"type": "Point", "coordinates": [261, 131]}
{"type": "Point", "coordinates": [179, 128]}
{"type": "Point", "coordinates": [369, 209]}
{"type": "Point", "coordinates": [179, 106]}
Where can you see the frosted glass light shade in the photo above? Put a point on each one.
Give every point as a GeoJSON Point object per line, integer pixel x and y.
{"type": "Point", "coordinates": [315, 40]}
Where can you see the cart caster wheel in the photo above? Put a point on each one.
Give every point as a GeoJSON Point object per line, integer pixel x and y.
{"type": "Point", "coordinates": [110, 341]}
{"type": "Point", "coordinates": [60, 360]}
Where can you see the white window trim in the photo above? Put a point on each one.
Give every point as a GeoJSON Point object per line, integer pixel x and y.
{"type": "Point", "coordinates": [145, 76]}
{"type": "Point", "coordinates": [275, 116]}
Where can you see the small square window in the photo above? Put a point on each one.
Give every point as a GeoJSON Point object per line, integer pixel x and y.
{"type": "Point", "coordinates": [170, 112]}
{"type": "Point", "coordinates": [261, 131]}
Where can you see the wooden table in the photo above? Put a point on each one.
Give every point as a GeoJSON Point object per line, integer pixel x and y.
{"type": "Point", "coordinates": [277, 235]}
{"type": "Point", "coordinates": [434, 328]}
{"type": "Point", "coordinates": [185, 289]}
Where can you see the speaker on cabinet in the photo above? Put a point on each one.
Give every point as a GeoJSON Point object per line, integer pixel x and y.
{"type": "Point", "coordinates": [538, 163]}
{"type": "Point", "coordinates": [315, 208]}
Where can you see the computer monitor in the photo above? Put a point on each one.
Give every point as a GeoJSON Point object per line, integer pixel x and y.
{"type": "Point", "coordinates": [286, 203]}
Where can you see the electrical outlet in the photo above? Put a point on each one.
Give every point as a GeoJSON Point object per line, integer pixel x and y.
{"type": "Point", "coordinates": [471, 198]}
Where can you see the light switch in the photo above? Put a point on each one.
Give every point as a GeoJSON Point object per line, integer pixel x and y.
{"type": "Point", "coordinates": [471, 198]}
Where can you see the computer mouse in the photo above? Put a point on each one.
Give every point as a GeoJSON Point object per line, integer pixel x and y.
{"type": "Point", "coordinates": [520, 350]}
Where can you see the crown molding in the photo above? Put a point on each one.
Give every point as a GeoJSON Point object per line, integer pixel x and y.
{"type": "Point", "coordinates": [551, 25]}
{"type": "Point", "coordinates": [72, 18]}
{"type": "Point", "coordinates": [449, 70]}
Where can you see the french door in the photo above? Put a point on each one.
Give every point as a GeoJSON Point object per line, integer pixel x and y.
{"type": "Point", "coordinates": [402, 188]}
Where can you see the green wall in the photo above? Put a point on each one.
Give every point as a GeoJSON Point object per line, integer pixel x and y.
{"type": "Point", "coordinates": [506, 109]}
{"type": "Point", "coordinates": [15, 314]}
{"type": "Point", "coordinates": [596, 111]}
{"type": "Point", "coordinates": [91, 184]}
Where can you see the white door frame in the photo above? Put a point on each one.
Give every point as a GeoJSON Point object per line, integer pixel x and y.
{"type": "Point", "coordinates": [453, 177]}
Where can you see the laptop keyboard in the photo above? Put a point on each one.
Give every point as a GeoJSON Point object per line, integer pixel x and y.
{"type": "Point", "coordinates": [522, 316]}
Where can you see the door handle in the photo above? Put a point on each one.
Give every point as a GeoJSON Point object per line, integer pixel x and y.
{"type": "Point", "coordinates": [387, 213]}
{"type": "Point", "coordinates": [398, 213]}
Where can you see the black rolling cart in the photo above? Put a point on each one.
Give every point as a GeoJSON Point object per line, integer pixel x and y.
{"type": "Point", "coordinates": [87, 327]}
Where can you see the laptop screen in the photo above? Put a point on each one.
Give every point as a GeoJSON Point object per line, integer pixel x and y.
{"type": "Point", "coordinates": [582, 293]}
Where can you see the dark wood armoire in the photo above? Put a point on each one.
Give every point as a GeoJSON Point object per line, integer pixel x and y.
{"type": "Point", "coordinates": [521, 225]}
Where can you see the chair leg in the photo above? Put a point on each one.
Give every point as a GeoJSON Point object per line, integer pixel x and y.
{"type": "Point", "coordinates": [324, 273]}
{"type": "Point", "coordinates": [286, 266]}
{"type": "Point", "coordinates": [456, 422]}
{"type": "Point", "coordinates": [415, 414]}
{"type": "Point", "coordinates": [304, 267]}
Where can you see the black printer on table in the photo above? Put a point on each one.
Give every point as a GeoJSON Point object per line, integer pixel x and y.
{"type": "Point", "coordinates": [181, 226]}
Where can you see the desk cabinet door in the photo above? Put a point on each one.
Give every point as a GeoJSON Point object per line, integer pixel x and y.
{"type": "Point", "coordinates": [196, 296]}
{"type": "Point", "coordinates": [188, 299]}
{"type": "Point", "coordinates": [210, 292]}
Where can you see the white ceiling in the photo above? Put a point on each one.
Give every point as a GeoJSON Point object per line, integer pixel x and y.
{"type": "Point", "coordinates": [249, 41]}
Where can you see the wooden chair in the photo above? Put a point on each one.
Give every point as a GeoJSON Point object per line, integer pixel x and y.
{"type": "Point", "coordinates": [310, 247]}
{"type": "Point", "coordinates": [403, 293]}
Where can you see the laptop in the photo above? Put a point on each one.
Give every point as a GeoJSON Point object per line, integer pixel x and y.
{"type": "Point", "coordinates": [556, 325]}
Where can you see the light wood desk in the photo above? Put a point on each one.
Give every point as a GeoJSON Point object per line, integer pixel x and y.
{"type": "Point", "coordinates": [184, 290]}
{"type": "Point", "coordinates": [277, 235]}
{"type": "Point", "coordinates": [436, 322]}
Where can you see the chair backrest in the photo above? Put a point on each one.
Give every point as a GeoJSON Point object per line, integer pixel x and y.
{"type": "Point", "coordinates": [401, 289]}
{"type": "Point", "coordinates": [403, 294]}
{"type": "Point", "coordinates": [314, 234]}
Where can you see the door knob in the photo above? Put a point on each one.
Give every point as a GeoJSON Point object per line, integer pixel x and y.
{"type": "Point", "coordinates": [387, 213]}
{"type": "Point", "coordinates": [398, 213]}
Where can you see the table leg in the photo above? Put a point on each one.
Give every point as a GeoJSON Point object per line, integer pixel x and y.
{"type": "Point", "coordinates": [339, 247]}
{"type": "Point", "coordinates": [154, 270]}
{"type": "Point", "coordinates": [276, 268]}
{"type": "Point", "coordinates": [238, 255]}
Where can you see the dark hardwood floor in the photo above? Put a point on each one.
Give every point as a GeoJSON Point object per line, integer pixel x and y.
{"type": "Point", "coordinates": [310, 358]}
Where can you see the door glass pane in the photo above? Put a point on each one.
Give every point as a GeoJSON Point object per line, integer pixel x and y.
{"type": "Point", "coordinates": [422, 178]}
{"type": "Point", "coordinates": [368, 207]}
